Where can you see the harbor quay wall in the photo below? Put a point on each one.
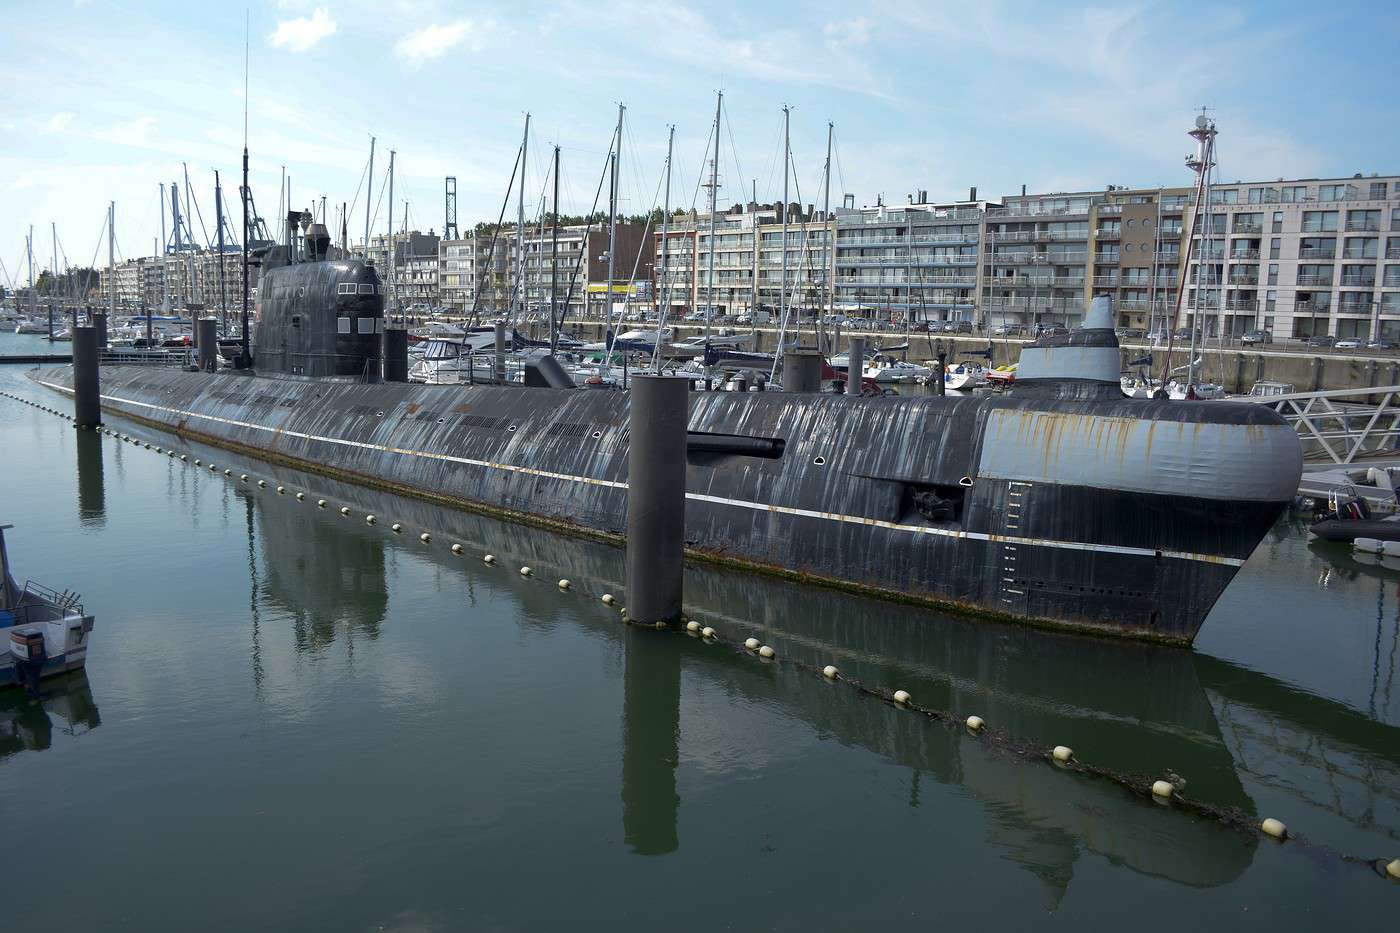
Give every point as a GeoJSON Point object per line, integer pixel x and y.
{"type": "Point", "coordinates": [1236, 368]}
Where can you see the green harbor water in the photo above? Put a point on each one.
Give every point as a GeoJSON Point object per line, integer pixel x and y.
{"type": "Point", "coordinates": [294, 720]}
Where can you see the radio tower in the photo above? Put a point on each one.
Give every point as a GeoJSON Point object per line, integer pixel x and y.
{"type": "Point", "coordinates": [449, 226]}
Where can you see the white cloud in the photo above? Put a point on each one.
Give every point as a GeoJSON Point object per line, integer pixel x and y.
{"type": "Point", "coordinates": [135, 132]}
{"type": "Point", "coordinates": [848, 32]}
{"type": "Point", "coordinates": [59, 122]}
{"type": "Point", "coordinates": [430, 42]}
{"type": "Point", "coordinates": [303, 32]}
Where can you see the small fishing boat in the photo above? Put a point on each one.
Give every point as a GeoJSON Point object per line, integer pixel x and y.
{"type": "Point", "coordinates": [965, 376]}
{"type": "Point", "coordinates": [47, 631]}
{"type": "Point", "coordinates": [1348, 518]}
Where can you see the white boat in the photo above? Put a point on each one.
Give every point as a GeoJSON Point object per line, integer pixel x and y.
{"type": "Point", "coordinates": [47, 632]}
{"type": "Point", "coordinates": [965, 376]}
{"type": "Point", "coordinates": [895, 371]}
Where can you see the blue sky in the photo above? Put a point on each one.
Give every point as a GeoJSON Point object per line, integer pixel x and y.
{"type": "Point", "coordinates": [107, 99]}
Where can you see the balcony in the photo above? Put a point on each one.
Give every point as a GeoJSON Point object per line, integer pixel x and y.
{"type": "Point", "coordinates": [1247, 229]}
{"type": "Point", "coordinates": [1108, 233]}
{"type": "Point", "coordinates": [1249, 280]}
{"type": "Point", "coordinates": [1244, 254]}
{"type": "Point", "coordinates": [1358, 281]}
{"type": "Point", "coordinates": [1320, 252]}
{"type": "Point", "coordinates": [1170, 233]}
{"type": "Point", "coordinates": [1242, 307]}
{"type": "Point", "coordinates": [1316, 227]}
{"type": "Point", "coordinates": [1363, 226]}
{"type": "Point", "coordinates": [1110, 258]}
{"type": "Point", "coordinates": [1312, 307]}
{"type": "Point", "coordinates": [1110, 210]}
{"type": "Point", "coordinates": [1106, 281]}
{"type": "Point", "coordinates": [1315, 280]}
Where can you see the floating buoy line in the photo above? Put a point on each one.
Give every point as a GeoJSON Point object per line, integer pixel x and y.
{"type": "Point", "coordinates": [1160, 791]}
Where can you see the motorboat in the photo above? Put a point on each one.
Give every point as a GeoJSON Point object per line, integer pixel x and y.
{"type": "Point", "coordinates": [47, 630]}
{"type": "Point", "coordinates": [965, 376]}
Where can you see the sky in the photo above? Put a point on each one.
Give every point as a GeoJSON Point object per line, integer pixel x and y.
{"type": "Point", "coordinates": [106, 100]}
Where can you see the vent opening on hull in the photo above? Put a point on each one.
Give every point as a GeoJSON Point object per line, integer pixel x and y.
{"type": "Point", "coordinates": [940, 504]}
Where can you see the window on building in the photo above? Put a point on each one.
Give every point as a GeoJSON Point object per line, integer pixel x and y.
{"type": "Point", "coordinates": [1316, 221]}
{"type": "Point", "coordinates": [1224, 196]}
{"type": "Point", "coordinates": [1277, 222]}
{"type": "Point", "coordinates": [1270, 301]}
{"type": "Point", "coordinates": [1361, 247]}
{"type": "Point", "coordinates": [1392, 277]}
{"type": "Point", "coordinates": [365, 325]}
{"type": "Point", "coordinates": [1249, 223]}
{"type": "Point", "coordinates": [1390, 303]}
{"type": "Point", "coordinates": [1275, 244]}
{"type": "Point", "coordinates": [1363, 220]}
{"type": "Point", "coordinates": [342, 325]}
{"type": "Point", "coordinates": [1377, 191]}
{"type": "Point", "coordinates": [365, 289]}
{"type": "Point", "coordinates": [1292, 194]}
{"type": "Point", "coordinates": [1314, 275]}
{"type": "Point", "coordinates": [1273, 273]}
{"type": "Point", "coordinates": [1395, 218]}
{"type": "Point", "coordinates": [1331, 192]}
{"type": "Point", "coordinates": [345, 288]}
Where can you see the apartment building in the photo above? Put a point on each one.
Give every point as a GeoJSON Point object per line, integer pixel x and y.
{"type": "Point", "coordinates": [914, 262]}
{"type": "Point", "coordinates": [1299, 258]}
{"type": "Point", "coordinates": [413, 275]}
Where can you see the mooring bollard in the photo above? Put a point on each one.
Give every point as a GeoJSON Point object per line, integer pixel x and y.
{"type": "Point", "coordinates": [656, 468]}
{"type": "Point", "coordinates": [87, 405]}
{"type": "Point", "coordinates": [855, 367]}
{"type": "Point", "coordinates": [802, 371]}
{"type": "Point", "coordinates": [395, 353]}
{"type": "Point", "coordinates": [208, 342]}
{"type": "Point", "coordinates": [940, 385]}
{"type": "Point", "coordinates": [500, 364]}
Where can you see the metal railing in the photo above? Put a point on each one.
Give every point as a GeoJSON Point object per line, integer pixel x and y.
{"type": "Point", "coordinates": [1340, 424]}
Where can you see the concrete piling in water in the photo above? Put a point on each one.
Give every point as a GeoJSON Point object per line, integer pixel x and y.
{"type": "Point", "coordinates": [656, 467]}
{"type": "Point", "coordinates": [802, 371]}
{"type": "Point", "coordinates": [856, 365]}
{"type": "Point", "coordinates": [99, 321]}
{"type": "Point", "coordinates": [940, 386]}
{"type": "Point", "coordinates": [87, 406]}
{"type": "Point", "coordinates": [500, 365]}
{"type": "Point", "coordinates": [395, 353]}
{"type": "Point", "coordinates": [208, 342]}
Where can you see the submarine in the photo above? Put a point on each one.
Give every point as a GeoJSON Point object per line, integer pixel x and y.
{"type": "Point", "coordinates": [1059, 503]}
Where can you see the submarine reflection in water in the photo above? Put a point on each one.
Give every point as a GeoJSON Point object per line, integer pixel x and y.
{"type": "Point", "coordinates": [92, 495]}
{"type": "Point", "coordinates": [64, 704]}
{"type": "Point", "coordinates": [1138, 708]}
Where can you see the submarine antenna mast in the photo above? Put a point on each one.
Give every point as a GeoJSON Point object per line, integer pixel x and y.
{"type": "Point", "coordinates": [219, 221]}
{"type": "Point", "coordinates": [245, 355]}
{"type": "Point", "coordinates": [369, 191]}
{"type": "Point", "coordinates": [714, 197]}
{"type": "Point", "coordinates": [612, 238]}
{"type": "Point", "coordinates": [829, 232]}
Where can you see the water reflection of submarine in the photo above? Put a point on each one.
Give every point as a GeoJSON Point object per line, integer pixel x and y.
{"type": "Point", "coordinates": [322, 574]}
{"type": "Point", "coordinates": [28, 724]}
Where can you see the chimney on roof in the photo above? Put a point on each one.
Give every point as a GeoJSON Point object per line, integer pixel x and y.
{"type": "Point", "coordinates": [972, 193]}
{"type": "Point", "coordinates": [1023, 191]}
{"type": "Point", "coordinates": [923, 195]}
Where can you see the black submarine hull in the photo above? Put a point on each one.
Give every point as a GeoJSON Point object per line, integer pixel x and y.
{"type": "Point", "coordinates": [1088, 514]}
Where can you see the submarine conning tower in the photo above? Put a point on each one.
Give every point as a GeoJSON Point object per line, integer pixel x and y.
{"type": "Point", "coordinates": [1083, 362]}
{"type": "Point", "coordinates": [316, 316]}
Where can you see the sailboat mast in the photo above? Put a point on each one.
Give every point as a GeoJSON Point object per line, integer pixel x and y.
{"type": "Point", "coordinates": [554, 264]}
{"type": "Point", "coordinates": [111, 262]}
{"type": "Point", "coordinates": [164, 271]}
{"type": "Point", "coordinates": [782, 286]}
{"type": "Point", "coordinates": [389, 256]}
{"type": "Point", "coordinates": [612, 219]}
{"type": "Point", "coordinates": [369, 191]}
{"type": "Point", "coordinates": [829, 229]}
{"type": "Point", "coordinates": [219, 220]}
{"type": "Point", "coordinates": [1204, 134]}
{"type": "Point", "coordinates": [665, 231]}
{"type": "Point", "coordinates": [714, 195]}
{"type": "Point", "coordinates": [520, 224]}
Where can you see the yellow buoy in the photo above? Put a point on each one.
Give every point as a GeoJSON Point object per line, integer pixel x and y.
{"type": "Point", "coordinates": [491, 559]}
{"type": "Point", "coordinates": [345, 510]}
{"type": "Point", "coordinates": [262, 483]}
{"type": "Point", "coordinates": [243, 477]}
{"type": "Point", "coordinates": [228, 472]}
{"type": "Point", "coordinates": [902, 696]}
{"type": "Point", "coordinates": [1063, 754]}
{"type": "Point", "coordinates": [196, 461]}
{"type": "Point", "coordinates": [1163, 789]}
{"type": "Point", "coordinates": [281, 490]}
{"type": "Point", "coordinates": [425, 537]}
{"type": "Point", "coordinates": [564, 584]}
{"type": "Point", "coordinates": [692, 626]}
{"type": "Point", "coordinates": [525, 571]}
{"type": "Point", "coordinates": [370, 519]}
{"type": "Point", "coordinates": [1274, 828]}
{"type": "Point", "coordinates": [321, 503]}
{"type": "Point", "coordinates": [456, 549]}
{"type": "Point", "coordinates": [751, 644]}
{"type": "Point", "coordinates": [1393, 869]}
{"type": "Point", "coordinates": [608, 598]}
{"type": "Point", "coordinates": [830, 672]}
{"type": "Point", "coordinates": [707, 632]}
{"type": "Point", "coordinates": [301, 495]}
{"type": "Point", "coordinates": [183, 457]}
{"type": "Point", "coordinates": [766, 652]}
{"type": "Point", "coordinates": [975, 724]}
{"type": "Point", "coordinates": [396, 527]}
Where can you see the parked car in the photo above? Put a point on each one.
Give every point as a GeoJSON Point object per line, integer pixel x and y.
{"type": "Point", "coordinates": [1158, 336]}
{"type": "Point", "coordinates": [1184, 333]}
{"type": "Point", "coordinates": [1258, 336]}
{"type": "Point", "coordinates": [1348, 343]}
{"type": "Point", "coordinates": [1380, 343]}
{"type": "Point", "coordinates": [1129, 333]}
{"type": "Point", "coordinates": [1321, 340]}
{"type": "Point", "coordinates": [957, 327]}
{"type": "Point", "coordinates": [1050, 330]}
